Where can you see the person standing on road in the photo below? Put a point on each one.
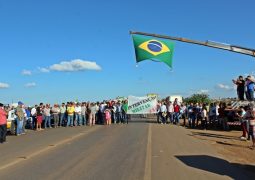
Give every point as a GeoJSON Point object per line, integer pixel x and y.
{"type": "Point", "coordinates": [70, 114]}
{"type": "Point", "coordinates": [25, 119]}
{"type": "Point", "coordinates": [93, 109]}
{"type": "Point", "coordinates": [119, 113]}
{"type": "Point", "coordinates": [176, 112]}
{"type": "Point", "coordinates": [204, 117]}
{"type": "Point", "coordinates": [107, 113]}
{"type": "Point", "coordinates": [240, 114]}
{"type": "Point", "coordinates": [55, 112]}
{"type": "Point", "coordinates": [29, 117]}
{"type": "Point", "coordinates": [77, 111]}
{"type": "Point", "coordinates": [83, 114]}
{"type": "Point", "coordinates": [114, 108]}
{"type": "Point", "coordinates": [158, 111]}
{"type": "Point", "coordinates": [124, 111]}
{"type": "Point", "coordinates": [3, 123]}
{"type": "Point", "coordinates": [212, 115]}
{"type": "Point", "coordinates": [240, 87]}
{"type": "Point", "coordinates": [39, 117]}
{"type": "Point", "coordinates": [47, 116]}
{"type": "Point", "coordinates": [183, 112]}
{"type": "Point", "coordinates": [250, 116]}
{"type": "Point", "coordinates": [20, 118]}
{"type": "Point", "coordinates": [109, 107]}
{"type": "Point", "coordinates": [163, 113]}
{"type": "Point", "coordinates": [170, 112]}
{"type": "Point", "coordinates": [101, 112]}
{"type": "Point", "coordinates": [33, 114]}
{"type": "Point", "coordinates": [190, 114]}
{"type": "Point", "coordinates": [62, 115]}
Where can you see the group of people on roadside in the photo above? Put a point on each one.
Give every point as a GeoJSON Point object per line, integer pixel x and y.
{"type": "Point", "coordinates": [172, 112]}
{"type": "Point", "coordinates": [68, 114]}
{"type": "Point", "coordinates": [245, 87]}
{"type": "Point", "coordinates": [204, 116]}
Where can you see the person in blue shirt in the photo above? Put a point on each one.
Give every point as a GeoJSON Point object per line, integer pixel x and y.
{"type": "Point", "coordinates": [250, 88]}
{"type": "Point", "coordinates": [28, 117]}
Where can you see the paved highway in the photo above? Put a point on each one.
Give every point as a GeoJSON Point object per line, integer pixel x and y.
{"type": "Point", "coordinates": [139, 150]}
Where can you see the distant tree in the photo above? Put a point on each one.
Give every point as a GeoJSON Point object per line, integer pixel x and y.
{"type": "Point", "coordinates": [198, 98]}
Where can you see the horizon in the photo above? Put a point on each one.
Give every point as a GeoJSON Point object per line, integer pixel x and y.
{"type": "Point", "coordinates": [72, 53]}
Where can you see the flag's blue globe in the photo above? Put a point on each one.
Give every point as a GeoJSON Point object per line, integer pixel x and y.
{"type": "Point", "coordinates": [154, 46]}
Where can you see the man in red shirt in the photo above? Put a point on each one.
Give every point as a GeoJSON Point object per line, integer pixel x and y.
{"type": "Point", "coordinates": [3, 123]}
{"type": "Point", "coordinates": [176, 113]}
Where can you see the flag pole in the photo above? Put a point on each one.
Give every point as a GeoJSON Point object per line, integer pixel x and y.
{"type": "Point", "coordinates": [223, 46]}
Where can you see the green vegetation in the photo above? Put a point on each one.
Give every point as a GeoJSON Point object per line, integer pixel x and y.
{"type": "Point", "coordinates": [198, 98]}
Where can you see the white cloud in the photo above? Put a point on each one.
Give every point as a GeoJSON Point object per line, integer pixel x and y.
{"type": "Point", "coordinates": [43, 70]}
{"type": "Point", "coordinates": [4, 85]}
{"type": "Point", "coordinates": [225, 87]}
{"type": "Point", "coordinates": [74, 65]}
{"type": "Point", "coordinates": [29, 85]}
{"type": "Point", "coordinates": [26, 73]}
{"type": "Point", "coordinates": [203, 91]}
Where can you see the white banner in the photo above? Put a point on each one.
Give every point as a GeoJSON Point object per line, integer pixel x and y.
{"type": "Point", "coordinates": [142, 105]}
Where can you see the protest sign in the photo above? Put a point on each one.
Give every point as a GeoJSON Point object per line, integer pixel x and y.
{"type": "Point", "coordinates": [142, 105]}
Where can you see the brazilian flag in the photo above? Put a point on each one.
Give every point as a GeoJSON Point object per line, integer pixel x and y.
{"type": "Point", "coordinates": [148, 48]}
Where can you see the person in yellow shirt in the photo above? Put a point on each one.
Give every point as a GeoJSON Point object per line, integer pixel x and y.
{"type": "Point", "coordinates": [70, 114]}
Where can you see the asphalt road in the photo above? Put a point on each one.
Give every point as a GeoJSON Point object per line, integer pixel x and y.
{"type": "Point", "coordinates": [138, 150]}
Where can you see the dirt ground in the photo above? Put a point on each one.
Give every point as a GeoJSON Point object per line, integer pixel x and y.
{"type": "Point", "coordinates": [228, 144]}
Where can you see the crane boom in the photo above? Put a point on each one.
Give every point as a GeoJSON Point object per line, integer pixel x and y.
{"type": "Point", "coordinates": [227, 47]}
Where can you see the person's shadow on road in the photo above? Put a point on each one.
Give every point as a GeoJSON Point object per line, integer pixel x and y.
{"type": "Point", "coordinates": [219, 166]}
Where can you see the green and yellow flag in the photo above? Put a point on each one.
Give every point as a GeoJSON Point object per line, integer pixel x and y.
{"type": "Point", "coordinates": [148, 48]}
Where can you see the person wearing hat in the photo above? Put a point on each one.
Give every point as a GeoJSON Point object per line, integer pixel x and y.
{"type": "Point", "coordinates": [20, 118]}
{"type": "Point", "coordinates": [3, 123]}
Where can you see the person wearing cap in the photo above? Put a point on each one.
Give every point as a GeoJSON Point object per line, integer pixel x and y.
{"type": "Point", "coordinates": [20, 118]}
{"type": "Point", "coordinates": [3, 123]}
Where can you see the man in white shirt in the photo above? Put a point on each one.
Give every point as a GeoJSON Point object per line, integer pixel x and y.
{"type": "Point", "coordinates": [63, 115]}
{"type": "Point", "coordinates": [33, 114]}
{"type": "Point", "coordinates": [170, 112]}
{"type": "Point", "coordinates": [78, 117]}
{"type": "Point", "coordinates": [163, 113]}
{"type": "Point", "coordinates": [83, 114]}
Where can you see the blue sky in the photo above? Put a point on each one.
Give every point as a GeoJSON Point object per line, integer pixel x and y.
{"type": "Point", "coordinates": [39, 34]}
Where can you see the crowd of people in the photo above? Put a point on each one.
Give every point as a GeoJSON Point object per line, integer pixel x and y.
{"type": "Point", "coordinates": [194, 115]}
{"type": "Point", "coordinates": [208, 116]}
{"type": "Point", "coordinates": [68, 114]}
